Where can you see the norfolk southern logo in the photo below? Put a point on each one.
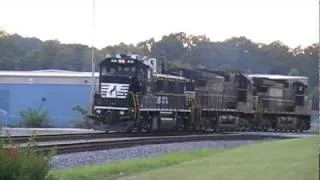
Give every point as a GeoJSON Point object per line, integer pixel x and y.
{"type": "Point", "coordinates": [114, 90]}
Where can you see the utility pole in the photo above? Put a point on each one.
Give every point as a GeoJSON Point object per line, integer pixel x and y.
{"type": "Point", "coordinates": [163, 59]}
{"type": "Point", "coordinates": [93, 83]}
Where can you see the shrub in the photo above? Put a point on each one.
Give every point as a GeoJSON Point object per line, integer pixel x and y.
{"type": "Point", "coordinates": [24, 164]}
{"type": "Point", "coordinates": [1, 126]}
{"type": "Point", "coordinates": [85, 122]}
{"type": "Point", "coordinates": [34, 117]}
{"type": "Point", "coordinates": [79, 124]}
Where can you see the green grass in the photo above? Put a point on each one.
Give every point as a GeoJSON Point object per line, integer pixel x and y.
{"type": "Point", "coordinates": [279, 160]}
{"type": "Point", "coordinates": [118, 169]}
{"type": "Point", "coordinates": [295, 159]}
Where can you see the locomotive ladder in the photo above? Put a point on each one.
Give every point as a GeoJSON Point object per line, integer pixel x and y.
{"type": "Point", "coordinates": [259, 109]}
{"type": "Point", "coordinates": [196, 111]}
{"type": "Point", "coordinates": [136, 107]}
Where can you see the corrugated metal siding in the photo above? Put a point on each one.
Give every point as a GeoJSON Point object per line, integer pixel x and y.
{"type": "Point", "coordinates": [46, 80]}
{"type": "Point", "coordinates": [59, 100]}
{"type": "Point", "coordinates": [4, 100]}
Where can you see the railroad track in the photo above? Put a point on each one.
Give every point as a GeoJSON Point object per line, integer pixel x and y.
{"type": "Point", "coordinates": [71, 146]}
{"type": "Point", "coordinates": [87, 136]}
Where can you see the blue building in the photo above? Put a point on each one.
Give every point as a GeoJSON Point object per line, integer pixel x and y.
{"type": "Point", "coordinates": [55, 91]}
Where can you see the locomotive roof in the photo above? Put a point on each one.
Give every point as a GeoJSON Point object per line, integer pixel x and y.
{"type": "Point", "coordinates": [124, 58]}
{"type": "Point", "coordinates": [221, 72]}
{"type": "Point", "coordinates": [194, 73]}
{"type": "Point", "coordinates": [302, 79]}
{"type": "Point", "coordinates": [278, 77]}
{"type": "Point", "coordinates": [46, 73]}
{"type": "Point", "coordinates": [169, 76]}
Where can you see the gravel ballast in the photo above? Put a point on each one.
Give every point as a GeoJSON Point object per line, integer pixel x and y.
{"type": "Point", "coordinates": [107, 156]}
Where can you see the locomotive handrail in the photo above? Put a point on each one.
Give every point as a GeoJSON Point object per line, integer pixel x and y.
{"type": "Point", "coordinates": [277, 99]}
{"type": "Point", "coordinates": [134, 104]}
{"type": "Point", "coordinates": [218, 95]}
{"type": "Point", "coordinates": [138, 107]}
{"type": "Point", "coordinates": [169, 94]}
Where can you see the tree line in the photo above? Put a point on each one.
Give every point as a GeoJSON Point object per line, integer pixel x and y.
{"type": "Point", "coordinates": [176, 49]}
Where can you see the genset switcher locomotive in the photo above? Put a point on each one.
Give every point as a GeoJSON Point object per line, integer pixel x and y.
{"type": "Point", "coordinates": [132, 96]}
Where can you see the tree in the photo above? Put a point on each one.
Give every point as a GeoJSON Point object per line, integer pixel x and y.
{"type": "Point", "coordinates": [9, 54]}
{"type": "Point", "coordinates": [3, 32]}
{"type": "Point", "coordinates": [146, 46]}
{"type": "Point", "coordinates": [179, 49]}
{"type": "Point", "coordinates": [294, 72]}
{"type": "Point", "coordinates": [170, 46]}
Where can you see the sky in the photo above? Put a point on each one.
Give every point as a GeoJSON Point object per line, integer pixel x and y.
{"type": "Point", "coordinates": [293, 22]}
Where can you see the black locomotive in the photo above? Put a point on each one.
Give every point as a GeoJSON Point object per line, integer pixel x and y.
{"type": "Point", "coordinates": [132, 96]}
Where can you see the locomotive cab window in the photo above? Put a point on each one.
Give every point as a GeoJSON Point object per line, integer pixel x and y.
{"type": "Point", "coordinates": [122, 69]}
{"type": "Point", "coordinates": [103, 71]}
{"type": "Point", "coordinates": [299, 89]}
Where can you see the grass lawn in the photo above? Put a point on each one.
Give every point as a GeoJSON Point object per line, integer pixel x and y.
{"type": "Point", "coordinates": [280, 160]}
{"type": "Point", "coordinates": [277, 160]}
{"type": "Point", "coordinates": [117, 169]}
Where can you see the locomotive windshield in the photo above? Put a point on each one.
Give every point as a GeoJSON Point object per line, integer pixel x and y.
{"type": "Point", "coordinates": [122, 67]}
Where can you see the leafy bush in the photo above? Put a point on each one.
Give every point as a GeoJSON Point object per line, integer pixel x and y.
{"type": "Point", "coordinates": [85, 122]}
{"type": "Point", "coordinates": [1, 126]}
{"type": "Point", "coordinates": [34, 117]}
{"type": "Point", "coordinates": [24, 164]}
{"type": "Point", "coordinates": [79, 124]}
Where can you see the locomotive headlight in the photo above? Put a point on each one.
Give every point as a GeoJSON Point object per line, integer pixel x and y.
{"type": "Point", "coordinates": [121, 61]}
{"type": "Point", "coordinates": [121, 113]}
{"type": "Point", "coordinates": [98, 111]}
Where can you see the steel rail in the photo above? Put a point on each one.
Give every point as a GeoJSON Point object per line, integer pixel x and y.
{"type": "Point", "coordinates": [87, 136]}
{"type": "Point", "coordinates": [103, 144]}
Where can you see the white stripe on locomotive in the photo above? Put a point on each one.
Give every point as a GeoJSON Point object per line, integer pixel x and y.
{"type": "Point", "coordinates": [114, 90]}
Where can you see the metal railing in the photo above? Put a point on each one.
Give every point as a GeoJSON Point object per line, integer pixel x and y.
{"type": "Point", "coordinates": [218, 101]}
{"type": "Point", "coordinates": [277, 105]}
{"type": "Point", "coordinates": [165, 101]}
